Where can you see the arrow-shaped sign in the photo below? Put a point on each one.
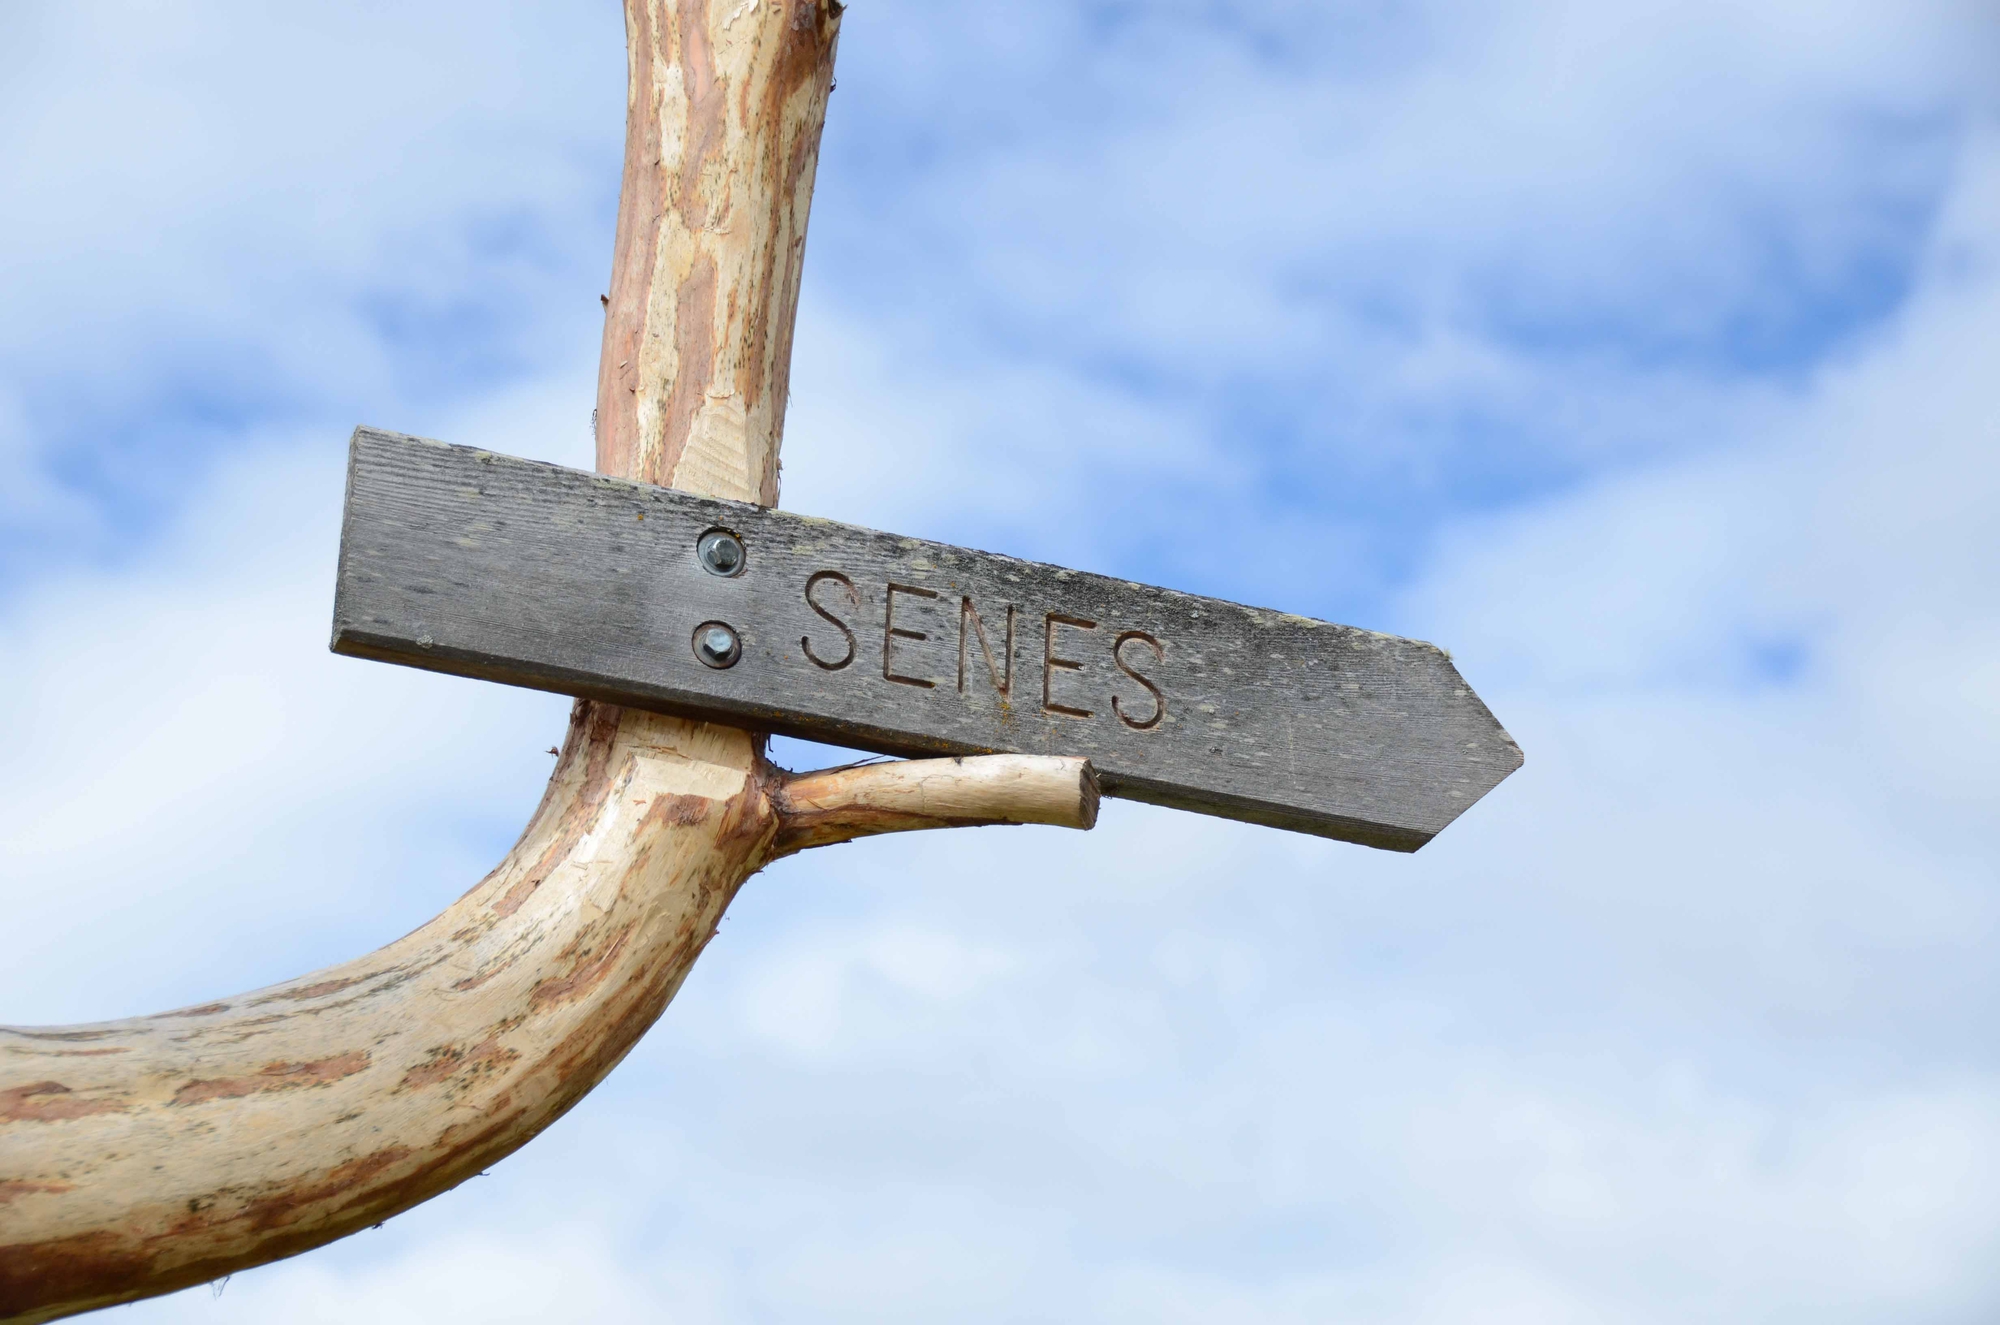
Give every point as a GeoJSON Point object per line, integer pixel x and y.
{"type": "Point", "coordinates": [460, 560]}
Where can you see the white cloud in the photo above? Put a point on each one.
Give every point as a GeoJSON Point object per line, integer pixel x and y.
{"type": "Point", "coordinates": [218, 214]}
{"type": "Point", "coordinates": [1604, 173]}
{"type": "Point", "coordinates": [564, 1274]}
{"type": "Point", "coordinates": [181, 719]}
{"type": "Point", "coordinates": [1690, 1020]}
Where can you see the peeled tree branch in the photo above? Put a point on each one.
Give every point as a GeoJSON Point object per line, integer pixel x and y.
{"type": "Point", "coordinates": [140, 1157]}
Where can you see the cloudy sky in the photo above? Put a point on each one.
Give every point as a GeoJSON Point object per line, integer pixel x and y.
{"type": "Point", "coordinates": [1640, 353]}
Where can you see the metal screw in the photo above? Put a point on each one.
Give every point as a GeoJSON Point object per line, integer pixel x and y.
{"type": "Point", "coordinates": [716, 645]}
{"type": "Point", "coordinates": [721, 552]}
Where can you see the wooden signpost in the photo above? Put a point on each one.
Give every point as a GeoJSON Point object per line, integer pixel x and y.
{"type": "Point", "coordinates": [142, 1156]}
{"type": "Point", "coordinates": [484, 565]}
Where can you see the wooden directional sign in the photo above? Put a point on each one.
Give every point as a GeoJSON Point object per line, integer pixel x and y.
{"type": "Point", "coordinates": [463, 561]}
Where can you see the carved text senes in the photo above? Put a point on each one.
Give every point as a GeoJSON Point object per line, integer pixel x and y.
{"type": "Point", "coordinates": [1088, 669]}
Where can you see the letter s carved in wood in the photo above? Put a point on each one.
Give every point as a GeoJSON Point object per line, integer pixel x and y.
{"type": "Point", "coordinates": [1159, 700]}
{"type": "Point", "coordinates": [805, 641]}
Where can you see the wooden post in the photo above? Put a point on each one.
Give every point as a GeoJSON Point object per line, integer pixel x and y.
{"type": "Point", "coordinates": [139, 1157]}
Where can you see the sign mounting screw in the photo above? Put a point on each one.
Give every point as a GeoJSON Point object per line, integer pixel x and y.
{"type": "Point", "coordinates": [716, 644]}
{"type": "Point", "coordinates": [720, 552]}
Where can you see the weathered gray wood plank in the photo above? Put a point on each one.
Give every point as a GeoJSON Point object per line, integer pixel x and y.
{"type": "Point", "coordinates": [463, 561]}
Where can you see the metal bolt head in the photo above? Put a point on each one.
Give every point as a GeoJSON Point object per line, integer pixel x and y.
{"type": "Point", "coordinates": [717, 645]}
{"type": "Point", "coordinates": [720, 552]}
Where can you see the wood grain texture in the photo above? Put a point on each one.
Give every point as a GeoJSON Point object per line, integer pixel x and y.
{"type": "Point", "coordinates": [841, 804]}
{"type": "Point", "coordinates": [463, 561]}
{"type": "Point", "coordinates": [139, 1157]}
{"type": "Point", "coordinates": [725, 102]}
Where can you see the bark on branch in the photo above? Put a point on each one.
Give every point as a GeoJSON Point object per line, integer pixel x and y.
{"type": "Point", "coordinates": [139, 1157]}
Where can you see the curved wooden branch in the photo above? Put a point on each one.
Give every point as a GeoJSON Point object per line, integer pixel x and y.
{"type": "Point", "coordinates": [144, 1156]}
{"type": "Point", "coordinates": [139, 1157]}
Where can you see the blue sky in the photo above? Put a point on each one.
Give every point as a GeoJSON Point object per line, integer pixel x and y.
{"type": "Point", "coordinates": [1639, 353]}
